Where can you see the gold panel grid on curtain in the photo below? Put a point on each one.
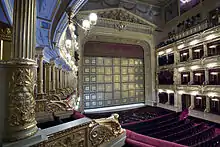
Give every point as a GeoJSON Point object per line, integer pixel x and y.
{"type": "Point", "coordinates": [109, 81]}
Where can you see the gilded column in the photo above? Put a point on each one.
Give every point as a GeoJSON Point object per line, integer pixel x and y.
{"type": "Point", "coordinates": [207, 109]}
{"type": "Point", "coordinates": [19, 82]}
{"type": "Point", "coordinates": [61, 79]}
{"type": "Point", "coordinates": [40, 75]}
{"type": "Point", "coordinates": [53, 77]}
{"type": "Point", "coordinates": [64, 79]}
{"type": "Point", "coordinates": [57, 79]}
{"type": "Point", "coordinates": [48, 77]}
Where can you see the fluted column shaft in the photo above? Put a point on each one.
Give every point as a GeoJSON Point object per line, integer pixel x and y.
{"type": "Point", "coordinates": [19, 75]}
{"type": "Point", "coordinates": [24, 29]}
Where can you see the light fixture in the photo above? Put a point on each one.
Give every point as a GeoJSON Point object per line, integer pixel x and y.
{"type": "Point", "coordinates": [214, 73]}
{"type": "Point", "coordinates": [86, 24]}
{"type": "Point", "coordinates": [185, 54]}
{"type": "Point", "coordinates": [213, 46]}
{"type": "Point", "coordinates": [198, 97]}
{"type": "Point", "coordinates": [93, 18]}
{"type": "Point", "coordinates": [197, 50]}
{"type": "Point", "coordinates": [198, 74]}
{"type": "Point", "coordinates": [68, 56]}
{"type": "Point", "coordinates": [185, 75]}
{"type": "Point", "coordinates": [185, 1]}
{"type": "Point", "coordinates": [215, 99]}
{"type": "Point", "coordinates": [68, 43]}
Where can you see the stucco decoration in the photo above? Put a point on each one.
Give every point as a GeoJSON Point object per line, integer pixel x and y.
{"type": "Point", "coordinates": [147, 11]}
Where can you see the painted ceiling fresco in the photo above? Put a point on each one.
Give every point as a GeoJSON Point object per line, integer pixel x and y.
{"type": "Point", "coordinates": [46, 11]}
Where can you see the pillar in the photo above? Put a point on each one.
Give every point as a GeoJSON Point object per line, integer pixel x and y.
{"type": "Point", "coordinates": [190, 54]}
{"type": "Point", "coordinates": [191, 76]}
{"type": "Point", "coordinates": [18, 76]}
{"type": "Point", "coordinates": [53, 77]}
{"type": "Point", "coordinates": [176, 77]}
{"type": "Point", "coordinates": [64, 79]}
{"type": "Point", "coordinates": [205, 49]}
{"type": "Point", "coordinates": [177, 101]}
{"type": "Point", "coordinates": [48, 78]}
{"type": "Point", "coordinates": [60, 79]}
{"type": "Point", "coordinates": [192, 102]}
{"type": "Point", "coordinates": [176, 55]}
{"type": "Point", "coordinates": [206, 76]}
{"type": "Point", "coordinates": [57, 79]}
{"type": "Point", "coordinates": [67, 79]}
{"type": "Point", "coordinates": [40, 75]}
{"type": "Point", "coordinates": [207, 109]}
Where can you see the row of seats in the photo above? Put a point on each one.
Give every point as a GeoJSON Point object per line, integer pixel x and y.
{"type": "Point", "coordinates": [185, 132]}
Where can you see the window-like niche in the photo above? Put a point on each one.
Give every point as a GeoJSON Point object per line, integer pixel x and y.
{"type": "Point", "coordinates": [199, 102]}
{"type": "Point", "coordinates": [198, 77]}
{"type": "Point", "coordinates": [171, 102]}
{"type": "Point", "coordinates": [165, 77]}
{"type": "Point", "coordinates": [215, 105]}
{"type": "Point", "coordinates": [198, 52]}
{"type": "Point", "coordinates": [185, 78]}
{"type": "Point", "coordinates": [213, 48]}
{"type": "Point", "coordinates": [162, 60]}
{"type": "Point", "coordinates": [186, 101]}
{"type": "Point", "coordinates": [214, 77]}
{"type": "Point", "coordinates": [214, 17]}
{"type": "Point", "coordinates": [170, 58]}
{"type": "Point", "coordinates": [184, 55]}
{"type": "Point", "coordinates": [163, 97]}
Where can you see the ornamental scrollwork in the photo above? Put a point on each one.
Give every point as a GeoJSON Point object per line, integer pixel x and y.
{"type": "Point", "coordinates": [104, 129]}
{"type": "Point", "coordinates": [6, 33]}
{"type": "Point", "coordinates": [21, 98]}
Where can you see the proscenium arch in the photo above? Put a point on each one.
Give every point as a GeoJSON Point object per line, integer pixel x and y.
{"type": "Point", "coordinates": [149, 67]}
{"type": "Point", "coordinates": [136, 36]}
